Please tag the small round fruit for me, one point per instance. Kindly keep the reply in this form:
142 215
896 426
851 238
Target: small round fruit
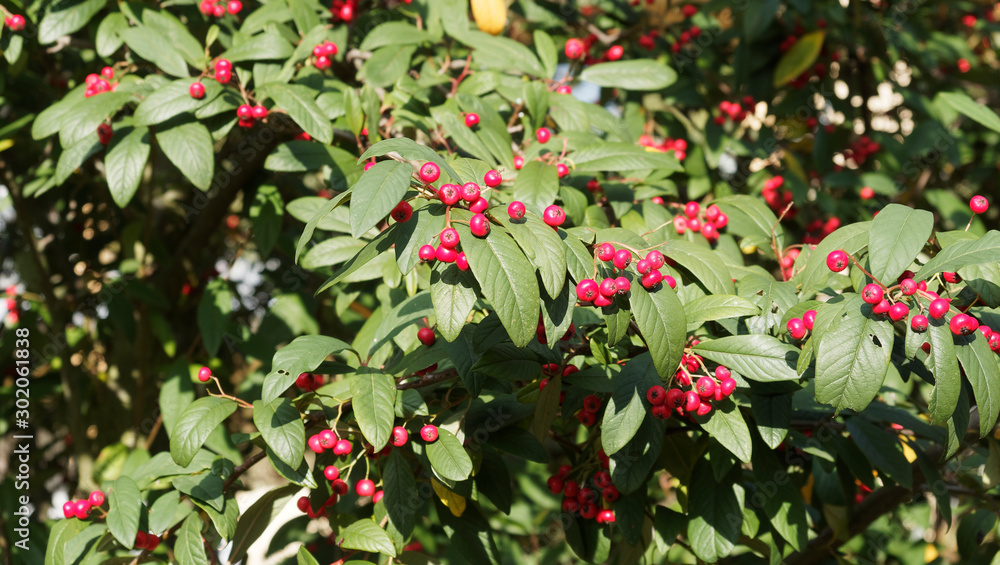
429 433
96 498
562 170
591 403
867 193
259 112
400 436
908 287
450 194
691 401
606 251
197 90
882 307
963 324
365 487
379 495
872 293
656 259
342 447
471 119
722 373
518 163
602 301
479 225
555 484
574 48
314 444
615 52
204 374
587 418
479 205
328 439
340 487
623 284
82 509
919 323
587 290
244 112
492 178
608 287
796 328
809 319
661 411
727 386
837 260
952 278
426 336
691 209
69 509
543 135
303 504
979 204
426 253
516 210
234 6
331 472
449 238
554 216
642 266
656 395
430 172
705 387
606 516
898 311
402 212
462 262
938 308
651 279
622 259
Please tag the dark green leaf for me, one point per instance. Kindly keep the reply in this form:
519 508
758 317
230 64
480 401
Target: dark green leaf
661 321
453 295
65 17
257 518
189 147
726 425
124 503
943 362
125 162
300 103
761 358
374 401
853 357
366 535
281 426
448 458
197 421
213 314
898 234
637 74
716 511
387 65
882 449
380 189
965 105
981 368
302 355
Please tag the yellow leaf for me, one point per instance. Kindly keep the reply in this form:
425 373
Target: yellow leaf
453 501
807 489
930 553
799 58
6 144
908 452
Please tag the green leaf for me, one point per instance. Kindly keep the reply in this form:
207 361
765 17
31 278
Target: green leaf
189 547
65 17
853 356
453 295
718 307
661 320
382 243
703 263
492 129
882 449
543 247
318 217
716 512
957 255
637 74
605 156
851 238
302 355
756 21
502 53
380 189
167 511
546 409
399 485
153 46
197 421
300 103
124 503
981 368
507 279
300 156
782 502
897 235
799 58
772 413
752 220
547 53
943 362
387 65
302 556
374 405
189 148
366 535
727 426
266 213
625 410
172 99
125 162
74 156
108 41
87 114
257 518
59 536
213 314
395 33
448 458
49 121
281 426
409 149
760 358
537 185
965 105
268 45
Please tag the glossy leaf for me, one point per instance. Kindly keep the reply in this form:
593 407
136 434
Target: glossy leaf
195 424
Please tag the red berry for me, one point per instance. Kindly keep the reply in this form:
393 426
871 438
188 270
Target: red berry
331 472
426 336
554 216
591 403
562 170
908 287
479 225
543 135
365 487
872 293
882 307
656 259
259 112
426 253
837 260
342 447
608 287
378 496
938 308
402 212
314 444
587 290
515 210
898 311
96 498
809 319
430 172
462 262
479 206
705 387
622 259
691 401
470 192
234 6
445 254
952 278
867 193
16 22
104 133
574 49
555 484
450 194
429 433
623 284
587 418
691 209
492 178
197 90
615 52
919 323
606 516
703 409
69 509
204 374
471 119
979 204
518 162
963 324
656 395
796 328
727 386
652 278
449 238
340 487
602 301
82 509
400 436
605 252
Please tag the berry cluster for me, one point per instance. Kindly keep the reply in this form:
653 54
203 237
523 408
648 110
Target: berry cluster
818 229
577 49
322 54
777 200
601 295
81 508
860 150
707 222
581 497
223 71
686 36
11 305
100 83
248 114
733 111
678 146
699 397
343 10
15 22
328 440
218 10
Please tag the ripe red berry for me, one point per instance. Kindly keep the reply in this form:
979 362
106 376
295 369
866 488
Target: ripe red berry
492 178
471 119
445 254
402 212
104 133
378 496
938 308
623 284
703 409
96 498
259 112
562 170
691 209
653 278
331 472
342 447
400 436
587 290
314 444
689 10
479 225
979 204
615 52
515 210
808 319
340 487
691 401
882 307
602 301
449 238
898 311
963 324
591 403
705 387
656 259
656 395
365 487
727 386
204 374
867 193
518 162
479 206
470 192
606 516
543 135
872 293
554 216
429 433
608 287
574 48
16 22
426 253
837 260
908 287
197 90
605 251
660 411
622 259
952 278
426 336
919 323
82 509
570 505
429 172
234 6
555 484
69 509
587 418
796 328
450 194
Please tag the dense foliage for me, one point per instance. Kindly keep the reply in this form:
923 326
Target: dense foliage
474 283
